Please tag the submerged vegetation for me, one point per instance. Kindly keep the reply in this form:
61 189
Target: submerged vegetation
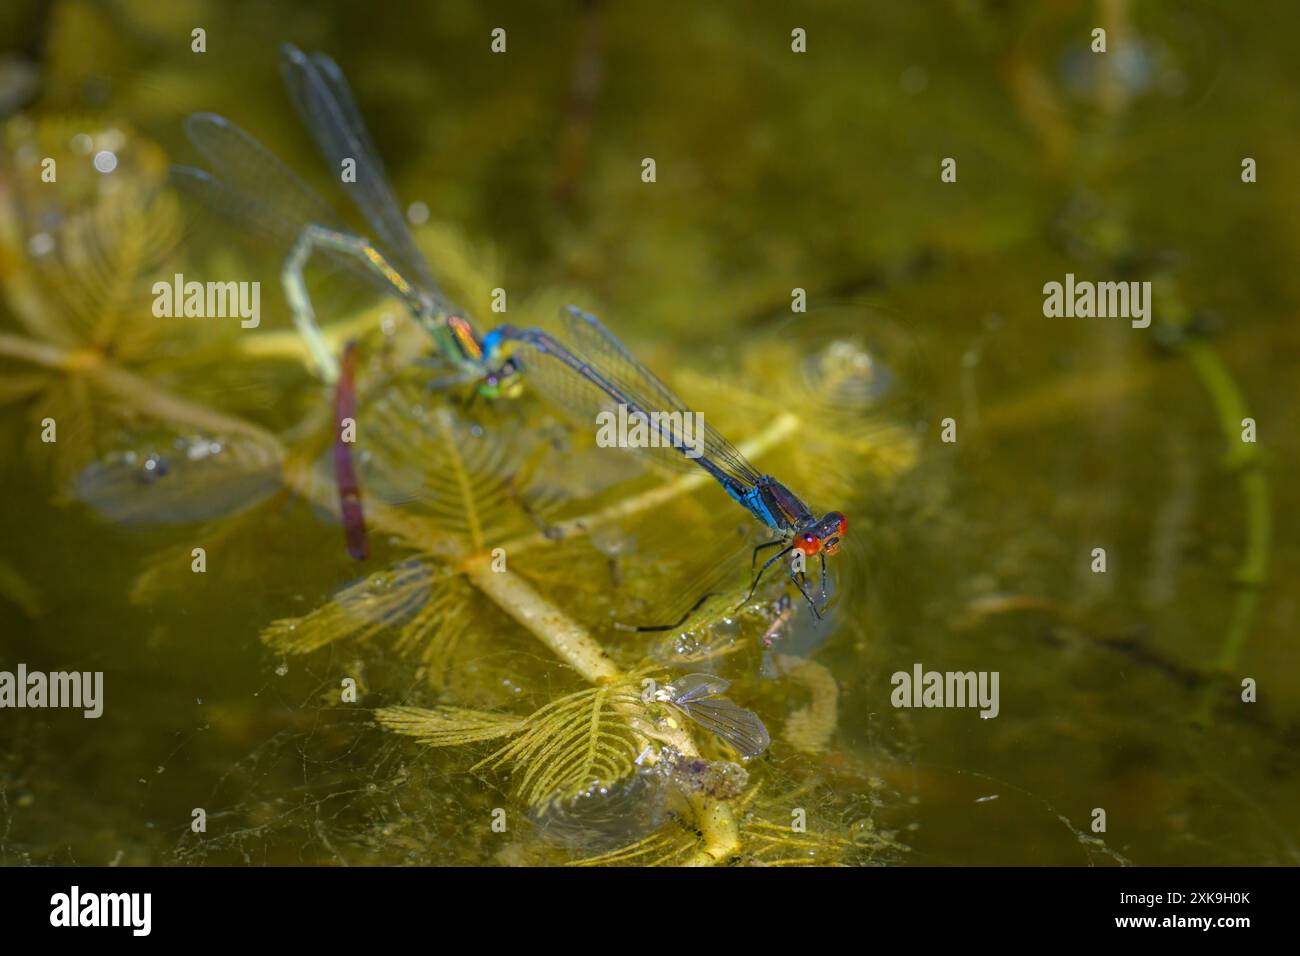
476 690
487 527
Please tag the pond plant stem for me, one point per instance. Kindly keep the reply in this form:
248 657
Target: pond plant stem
1245 460
566 638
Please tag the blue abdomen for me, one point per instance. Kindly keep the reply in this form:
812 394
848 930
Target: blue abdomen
756 505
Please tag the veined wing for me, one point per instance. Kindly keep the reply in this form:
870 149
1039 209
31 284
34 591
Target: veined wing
582 388
250 185
737 726
246 166
694 687
598 346
325 104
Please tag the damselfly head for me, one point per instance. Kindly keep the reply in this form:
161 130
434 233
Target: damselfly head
824 536
504 382
831 529
808 543
504 378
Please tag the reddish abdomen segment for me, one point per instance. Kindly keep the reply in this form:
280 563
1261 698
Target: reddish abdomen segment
345 473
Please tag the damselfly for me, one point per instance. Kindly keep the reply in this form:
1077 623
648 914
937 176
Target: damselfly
247 183
594 371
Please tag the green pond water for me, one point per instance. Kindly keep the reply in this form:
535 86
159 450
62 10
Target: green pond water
1119 691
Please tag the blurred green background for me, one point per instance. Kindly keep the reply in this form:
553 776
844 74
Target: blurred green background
777 170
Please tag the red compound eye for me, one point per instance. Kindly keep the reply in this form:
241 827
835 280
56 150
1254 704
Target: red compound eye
844 526
809 544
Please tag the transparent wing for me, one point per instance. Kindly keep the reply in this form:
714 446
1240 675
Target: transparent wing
181 480
582 387
598 345
253 189
246 166
338 85
325 104
737 726
581 390
696 686
561 376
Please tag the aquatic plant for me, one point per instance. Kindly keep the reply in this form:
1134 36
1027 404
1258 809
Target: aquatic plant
492 522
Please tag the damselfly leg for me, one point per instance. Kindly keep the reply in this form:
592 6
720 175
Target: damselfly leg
451 381
770 561
798 577
676 624
753 560
800 580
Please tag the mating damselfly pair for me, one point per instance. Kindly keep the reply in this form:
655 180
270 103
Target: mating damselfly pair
589 372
